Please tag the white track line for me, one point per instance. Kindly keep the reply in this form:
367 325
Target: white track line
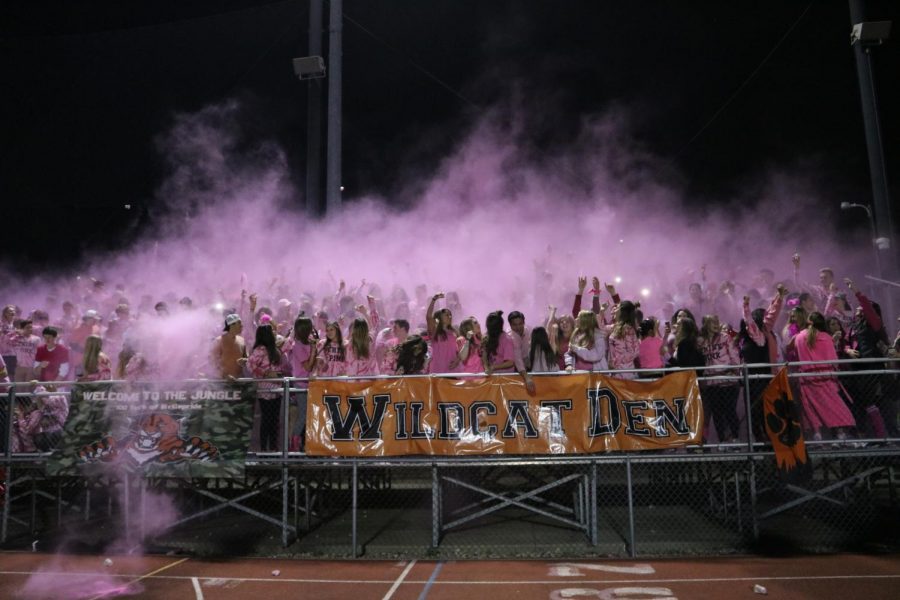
463 582
399 580
197 589
147 576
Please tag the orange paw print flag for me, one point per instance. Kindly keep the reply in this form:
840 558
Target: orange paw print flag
782 417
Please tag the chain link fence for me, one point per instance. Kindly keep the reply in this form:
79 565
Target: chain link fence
721 498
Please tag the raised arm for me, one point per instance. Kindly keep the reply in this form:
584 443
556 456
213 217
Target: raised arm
553 334
872 317
775 307
429 314
374 318
614 296
753 330
551 317
576 306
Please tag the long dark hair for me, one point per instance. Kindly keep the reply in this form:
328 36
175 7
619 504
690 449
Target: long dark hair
759 317
540 343
687 332
816 323
684 310
303 327
493 324
338 338
265 337
408 360
439 332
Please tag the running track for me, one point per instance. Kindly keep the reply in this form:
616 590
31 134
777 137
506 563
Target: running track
34 575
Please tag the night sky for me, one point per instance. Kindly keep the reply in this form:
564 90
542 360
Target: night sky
89 86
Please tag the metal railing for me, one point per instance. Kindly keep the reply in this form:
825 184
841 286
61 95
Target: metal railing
724 497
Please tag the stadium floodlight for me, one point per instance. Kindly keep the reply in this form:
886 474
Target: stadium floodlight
871 33
309 67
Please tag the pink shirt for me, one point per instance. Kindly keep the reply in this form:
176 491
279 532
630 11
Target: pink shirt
24 347
505 352
262 368
361 366
389 361
720 350
139 368
443 354
104 370
330 362
6 330
583 358
823 349
623 352
473 362
649 355
299 354
521 349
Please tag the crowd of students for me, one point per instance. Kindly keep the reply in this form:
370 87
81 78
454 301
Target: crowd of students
345 334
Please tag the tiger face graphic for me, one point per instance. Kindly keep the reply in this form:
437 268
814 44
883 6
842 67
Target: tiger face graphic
156 438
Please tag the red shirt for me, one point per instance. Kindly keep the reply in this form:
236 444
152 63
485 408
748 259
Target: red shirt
55 359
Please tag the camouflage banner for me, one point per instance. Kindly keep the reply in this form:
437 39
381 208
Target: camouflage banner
567 414
189 431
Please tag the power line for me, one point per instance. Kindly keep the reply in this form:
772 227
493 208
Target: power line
411 61
744 84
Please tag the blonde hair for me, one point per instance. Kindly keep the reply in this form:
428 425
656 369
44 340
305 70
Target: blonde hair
585 325
92 346
359 338
467 325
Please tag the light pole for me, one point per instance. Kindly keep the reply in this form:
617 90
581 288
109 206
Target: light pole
866 35
874 241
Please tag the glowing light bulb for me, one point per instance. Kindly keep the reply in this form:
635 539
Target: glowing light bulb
645 292
621 241
219 306
618 279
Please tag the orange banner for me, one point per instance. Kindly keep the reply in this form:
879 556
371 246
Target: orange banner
567 414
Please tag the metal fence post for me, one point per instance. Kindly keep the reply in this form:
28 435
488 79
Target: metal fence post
435 507
143 506
10 403
594 526
353 510
632 550
748 401
753 498
285 417
284 506
10 412
127 506
6 485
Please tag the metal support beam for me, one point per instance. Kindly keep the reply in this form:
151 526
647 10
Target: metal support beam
314 203
881 204
333 156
